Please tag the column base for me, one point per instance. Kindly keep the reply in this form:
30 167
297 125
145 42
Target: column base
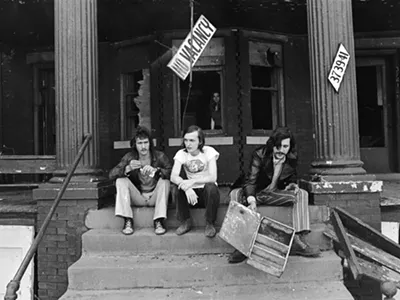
357 194
337 167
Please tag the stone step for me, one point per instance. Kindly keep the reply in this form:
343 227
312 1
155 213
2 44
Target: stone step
144 241
143 216
94 272
316 290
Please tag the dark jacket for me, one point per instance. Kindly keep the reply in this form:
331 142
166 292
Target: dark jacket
262 170
158 160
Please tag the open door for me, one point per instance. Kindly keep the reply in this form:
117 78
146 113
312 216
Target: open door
374 108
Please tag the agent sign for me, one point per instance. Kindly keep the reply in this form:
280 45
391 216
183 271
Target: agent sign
339 67
191 49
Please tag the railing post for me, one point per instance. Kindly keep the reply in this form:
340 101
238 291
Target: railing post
14 284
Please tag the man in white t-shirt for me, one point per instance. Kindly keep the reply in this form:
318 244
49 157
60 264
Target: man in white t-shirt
199 189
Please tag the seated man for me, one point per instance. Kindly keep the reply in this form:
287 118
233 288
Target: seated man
142 179
200 188
272 181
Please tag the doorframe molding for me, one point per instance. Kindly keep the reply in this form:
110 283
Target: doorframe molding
385 51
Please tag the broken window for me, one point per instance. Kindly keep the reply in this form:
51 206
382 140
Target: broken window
135 102
265 85
202 104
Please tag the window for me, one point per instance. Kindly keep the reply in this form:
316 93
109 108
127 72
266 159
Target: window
203 104
266 90
135 102
203 107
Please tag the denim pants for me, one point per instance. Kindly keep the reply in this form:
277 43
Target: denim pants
208 198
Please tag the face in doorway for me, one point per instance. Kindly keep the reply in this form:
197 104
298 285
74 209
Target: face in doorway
143 146
216 97
191 141
282 150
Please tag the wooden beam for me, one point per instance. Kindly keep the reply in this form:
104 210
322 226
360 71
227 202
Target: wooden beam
346 245
27 164
369 251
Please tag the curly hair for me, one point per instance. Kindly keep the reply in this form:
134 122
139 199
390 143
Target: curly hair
142 133
275 140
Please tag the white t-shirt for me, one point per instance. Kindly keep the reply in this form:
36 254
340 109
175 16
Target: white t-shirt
196 166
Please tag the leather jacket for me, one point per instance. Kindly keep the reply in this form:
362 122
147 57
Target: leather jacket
262 170
158 160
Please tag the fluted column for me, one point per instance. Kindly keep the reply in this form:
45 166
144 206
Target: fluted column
335 116
76 68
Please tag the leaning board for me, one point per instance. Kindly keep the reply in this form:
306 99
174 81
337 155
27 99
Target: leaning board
264 241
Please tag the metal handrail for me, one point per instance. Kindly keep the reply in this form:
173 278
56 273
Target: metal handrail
14 284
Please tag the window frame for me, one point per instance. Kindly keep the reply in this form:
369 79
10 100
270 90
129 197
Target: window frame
177 100
277 93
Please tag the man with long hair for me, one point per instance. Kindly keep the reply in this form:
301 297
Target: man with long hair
272 180
142 179
198 186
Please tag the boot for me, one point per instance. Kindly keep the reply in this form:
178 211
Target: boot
210 230
236 257
184 227
301 248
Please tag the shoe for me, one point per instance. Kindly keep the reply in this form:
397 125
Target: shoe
301 248
159 229
210 230
185 227
236 257
128 226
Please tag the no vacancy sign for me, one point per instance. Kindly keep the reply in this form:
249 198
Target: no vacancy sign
191 49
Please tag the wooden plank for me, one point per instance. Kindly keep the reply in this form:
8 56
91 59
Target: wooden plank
275 230
379 273
258 263
268 256
27 164
345 244
274 245
369 250
367 233
240 227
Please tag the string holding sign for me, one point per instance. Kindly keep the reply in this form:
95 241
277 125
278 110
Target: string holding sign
338 68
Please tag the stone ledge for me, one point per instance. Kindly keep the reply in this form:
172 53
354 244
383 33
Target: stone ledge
342 187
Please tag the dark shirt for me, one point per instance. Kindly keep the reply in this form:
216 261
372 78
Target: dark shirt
261 172
158 160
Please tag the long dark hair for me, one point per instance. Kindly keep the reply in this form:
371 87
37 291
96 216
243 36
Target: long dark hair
279 134
142 133
200 134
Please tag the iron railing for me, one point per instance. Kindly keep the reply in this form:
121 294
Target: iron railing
14 284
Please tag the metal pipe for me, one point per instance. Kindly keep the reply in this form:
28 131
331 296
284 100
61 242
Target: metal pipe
13 285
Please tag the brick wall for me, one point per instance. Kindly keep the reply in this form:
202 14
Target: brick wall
365 206
61 245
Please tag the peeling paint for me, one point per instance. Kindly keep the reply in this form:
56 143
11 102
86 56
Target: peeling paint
365 188
376 186
328 162
327 185
353 185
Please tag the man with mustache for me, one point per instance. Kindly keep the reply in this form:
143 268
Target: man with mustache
272 180
142 179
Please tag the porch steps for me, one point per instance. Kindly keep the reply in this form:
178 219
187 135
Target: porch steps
192 266
273 291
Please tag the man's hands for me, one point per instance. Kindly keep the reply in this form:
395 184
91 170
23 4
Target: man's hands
186 184
135 164
292 187
252 203
191 196
148 170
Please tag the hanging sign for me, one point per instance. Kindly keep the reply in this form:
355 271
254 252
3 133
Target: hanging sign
191 49
339 67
